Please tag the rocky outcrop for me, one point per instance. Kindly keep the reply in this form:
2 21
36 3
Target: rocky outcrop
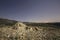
20 31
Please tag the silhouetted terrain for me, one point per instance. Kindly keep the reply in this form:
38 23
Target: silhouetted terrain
16 30
7 22
52 24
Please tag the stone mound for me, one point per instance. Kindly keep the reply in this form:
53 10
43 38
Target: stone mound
22 32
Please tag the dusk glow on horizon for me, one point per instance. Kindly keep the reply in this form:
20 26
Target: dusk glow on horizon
31 10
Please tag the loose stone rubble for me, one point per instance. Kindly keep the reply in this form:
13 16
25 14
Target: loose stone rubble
21 31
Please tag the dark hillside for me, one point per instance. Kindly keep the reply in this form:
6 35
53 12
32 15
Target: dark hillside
7 22
53 24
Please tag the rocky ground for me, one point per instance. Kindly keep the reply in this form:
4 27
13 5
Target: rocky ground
21 31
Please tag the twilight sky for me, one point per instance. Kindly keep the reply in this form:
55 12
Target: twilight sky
31 10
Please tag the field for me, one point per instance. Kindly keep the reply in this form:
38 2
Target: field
15 30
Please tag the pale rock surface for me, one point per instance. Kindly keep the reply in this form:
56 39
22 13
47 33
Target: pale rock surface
21 31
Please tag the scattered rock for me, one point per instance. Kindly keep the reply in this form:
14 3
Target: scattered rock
20 31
